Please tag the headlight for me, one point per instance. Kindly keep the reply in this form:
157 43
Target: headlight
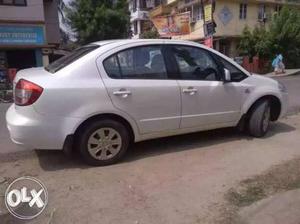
282 87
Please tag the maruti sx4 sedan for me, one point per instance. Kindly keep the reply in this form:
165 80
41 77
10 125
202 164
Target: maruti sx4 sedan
107 94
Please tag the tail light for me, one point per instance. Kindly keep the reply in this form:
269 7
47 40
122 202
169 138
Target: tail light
26 93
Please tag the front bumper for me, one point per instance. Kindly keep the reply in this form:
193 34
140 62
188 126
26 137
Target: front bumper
284 104
36 131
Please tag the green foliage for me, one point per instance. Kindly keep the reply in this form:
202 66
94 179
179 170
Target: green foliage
94 20
150 34
255 43
282 36
247 43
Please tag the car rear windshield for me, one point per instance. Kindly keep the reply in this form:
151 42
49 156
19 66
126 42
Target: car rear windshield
70 58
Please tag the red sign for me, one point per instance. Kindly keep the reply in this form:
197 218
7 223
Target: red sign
209 42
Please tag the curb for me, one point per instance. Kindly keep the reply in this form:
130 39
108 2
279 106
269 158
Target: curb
283 75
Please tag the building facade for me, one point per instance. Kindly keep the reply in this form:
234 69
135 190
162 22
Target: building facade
29 30
230 17
139 15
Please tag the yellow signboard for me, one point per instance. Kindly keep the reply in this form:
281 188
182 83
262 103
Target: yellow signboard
208 13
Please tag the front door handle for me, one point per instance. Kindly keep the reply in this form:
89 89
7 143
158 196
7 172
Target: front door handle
122 92
190 90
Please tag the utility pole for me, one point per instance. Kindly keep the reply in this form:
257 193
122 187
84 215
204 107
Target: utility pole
209 24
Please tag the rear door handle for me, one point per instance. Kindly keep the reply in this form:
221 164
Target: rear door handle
122 92
190 90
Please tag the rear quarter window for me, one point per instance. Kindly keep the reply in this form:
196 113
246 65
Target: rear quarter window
70 58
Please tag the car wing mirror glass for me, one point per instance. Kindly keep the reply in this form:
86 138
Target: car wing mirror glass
227 75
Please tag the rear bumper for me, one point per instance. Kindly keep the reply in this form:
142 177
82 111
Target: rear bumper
35 131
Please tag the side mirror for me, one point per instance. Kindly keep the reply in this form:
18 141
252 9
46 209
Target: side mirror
227 75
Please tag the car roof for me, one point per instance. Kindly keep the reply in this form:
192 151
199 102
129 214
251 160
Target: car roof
126 41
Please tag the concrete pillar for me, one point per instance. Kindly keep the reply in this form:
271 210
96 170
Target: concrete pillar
139 27
45 60
217 45
38 57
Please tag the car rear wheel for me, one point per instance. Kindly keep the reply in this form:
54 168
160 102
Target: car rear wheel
103 142
259 119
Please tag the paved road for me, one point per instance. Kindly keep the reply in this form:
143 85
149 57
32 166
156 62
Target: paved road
176 180
293 85
182 179
291 82
6 144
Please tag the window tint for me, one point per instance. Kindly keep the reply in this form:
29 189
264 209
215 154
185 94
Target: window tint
70 58
195 64
112 68
236 74
137 63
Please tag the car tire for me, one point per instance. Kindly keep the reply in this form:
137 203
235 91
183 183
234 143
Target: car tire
259 119
103 142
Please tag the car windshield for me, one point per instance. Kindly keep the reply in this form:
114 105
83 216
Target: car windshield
70 58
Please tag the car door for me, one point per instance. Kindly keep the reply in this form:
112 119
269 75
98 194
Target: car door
206 99
137 83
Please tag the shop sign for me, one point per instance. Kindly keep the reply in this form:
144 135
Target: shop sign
209 29
173 25
21 35
208 13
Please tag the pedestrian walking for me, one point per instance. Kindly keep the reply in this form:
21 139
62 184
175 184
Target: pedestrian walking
278 64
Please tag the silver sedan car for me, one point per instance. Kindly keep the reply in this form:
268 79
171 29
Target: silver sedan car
107 94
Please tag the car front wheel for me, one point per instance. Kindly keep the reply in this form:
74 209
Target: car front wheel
103 142
259 119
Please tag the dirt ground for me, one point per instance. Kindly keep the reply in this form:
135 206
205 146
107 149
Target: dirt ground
182 179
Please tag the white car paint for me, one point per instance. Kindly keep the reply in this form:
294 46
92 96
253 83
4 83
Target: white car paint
154 108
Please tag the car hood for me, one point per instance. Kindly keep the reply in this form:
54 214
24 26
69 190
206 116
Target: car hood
256 79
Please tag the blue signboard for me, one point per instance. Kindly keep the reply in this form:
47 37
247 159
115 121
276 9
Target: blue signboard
22 35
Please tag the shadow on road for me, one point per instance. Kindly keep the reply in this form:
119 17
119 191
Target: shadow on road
197 140
56 160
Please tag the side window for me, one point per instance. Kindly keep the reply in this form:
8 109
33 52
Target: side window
195 64
236 74
112 68
137 63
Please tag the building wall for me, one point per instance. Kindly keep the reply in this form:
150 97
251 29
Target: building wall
30 31
236 25
227 34
138 15
51 22
34 11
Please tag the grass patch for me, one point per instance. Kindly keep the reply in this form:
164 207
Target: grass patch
247 197
279 178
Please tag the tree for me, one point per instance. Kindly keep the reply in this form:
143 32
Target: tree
94 20
150 34
61 7
281 36
284 35
247 43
